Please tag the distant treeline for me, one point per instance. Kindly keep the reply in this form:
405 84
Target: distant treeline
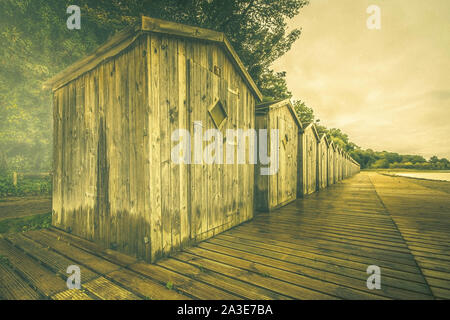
369 159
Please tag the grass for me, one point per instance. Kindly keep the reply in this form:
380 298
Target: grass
169 285
27 185
388 170
39 221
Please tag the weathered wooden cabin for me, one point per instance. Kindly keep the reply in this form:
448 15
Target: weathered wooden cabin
337 163
355 167
330 163
346 164
280 188
308 150
322 163
116 116
343 163
340 164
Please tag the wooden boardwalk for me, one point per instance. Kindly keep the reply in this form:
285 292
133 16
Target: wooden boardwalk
315 248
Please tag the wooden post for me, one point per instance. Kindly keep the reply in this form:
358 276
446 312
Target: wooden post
15 179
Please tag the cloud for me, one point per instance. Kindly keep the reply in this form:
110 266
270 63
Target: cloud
387 89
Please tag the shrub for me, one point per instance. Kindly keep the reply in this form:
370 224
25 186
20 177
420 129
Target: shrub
32 185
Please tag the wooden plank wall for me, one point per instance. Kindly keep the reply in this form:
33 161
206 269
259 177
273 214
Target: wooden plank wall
322 162
278 189
101 185
200 200
169 204
286 177
114 179
309 155
330 164
261 181
338 165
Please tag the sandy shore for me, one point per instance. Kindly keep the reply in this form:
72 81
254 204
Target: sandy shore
432 184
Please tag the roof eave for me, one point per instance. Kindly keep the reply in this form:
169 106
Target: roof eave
124 38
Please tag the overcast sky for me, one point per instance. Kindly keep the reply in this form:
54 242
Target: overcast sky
388 89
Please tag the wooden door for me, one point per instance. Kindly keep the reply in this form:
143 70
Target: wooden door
287 172
212 186
292 160
282 165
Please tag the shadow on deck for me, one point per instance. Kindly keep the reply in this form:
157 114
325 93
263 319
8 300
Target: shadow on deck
315 248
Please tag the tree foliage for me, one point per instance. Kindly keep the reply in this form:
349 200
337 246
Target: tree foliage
36 44
390 160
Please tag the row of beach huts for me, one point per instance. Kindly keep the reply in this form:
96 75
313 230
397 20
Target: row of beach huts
114 115
307 162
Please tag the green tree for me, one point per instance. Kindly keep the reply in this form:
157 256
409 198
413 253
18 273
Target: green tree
305 114
434 160
36 44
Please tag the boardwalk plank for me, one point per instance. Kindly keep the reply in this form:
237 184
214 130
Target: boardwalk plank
106 290
44 281
253 277
81 257
318 247
50 259
181 283
13 287
238 287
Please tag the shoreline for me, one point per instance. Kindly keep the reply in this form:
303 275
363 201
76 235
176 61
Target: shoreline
415 178
439 185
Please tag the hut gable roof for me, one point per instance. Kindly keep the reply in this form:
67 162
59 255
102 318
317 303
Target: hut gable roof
263 108
331 145
312 126
125 38
324 137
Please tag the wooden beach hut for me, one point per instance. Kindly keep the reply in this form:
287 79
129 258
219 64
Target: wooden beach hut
330 163
322 163
341 164
351 166
354 165
335 163
308 150
116 116
280 188
344 166
338 164
347 166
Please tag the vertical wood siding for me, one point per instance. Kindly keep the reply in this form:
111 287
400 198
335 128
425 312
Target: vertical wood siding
309 158
280 188
114 180
330 162
101 169
322 164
